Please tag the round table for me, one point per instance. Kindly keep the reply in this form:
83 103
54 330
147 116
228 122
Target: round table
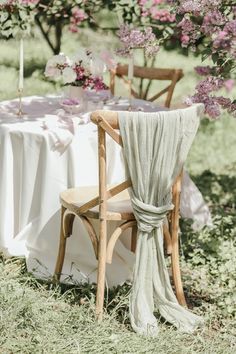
42 154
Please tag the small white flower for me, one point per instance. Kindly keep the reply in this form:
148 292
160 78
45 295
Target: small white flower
188 101
60 59
55 65
68 75
52 72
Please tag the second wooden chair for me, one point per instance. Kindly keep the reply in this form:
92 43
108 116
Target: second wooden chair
171 75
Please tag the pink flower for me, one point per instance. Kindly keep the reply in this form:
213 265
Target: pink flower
18 2
212 20
157 2
203 70
213 110
222 34
222 40
142 2
209 84
210 27
153 9
230 27
162 15
188 101
185 39
229 84
78 16
145 12
223 101
134 38
213 104
29 2
190 32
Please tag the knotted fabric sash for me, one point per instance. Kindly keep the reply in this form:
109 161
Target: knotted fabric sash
155 148
148 216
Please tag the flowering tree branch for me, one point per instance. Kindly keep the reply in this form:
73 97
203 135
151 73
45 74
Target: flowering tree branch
206 27
209 27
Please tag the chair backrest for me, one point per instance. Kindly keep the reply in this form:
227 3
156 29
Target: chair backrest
172 75
108 123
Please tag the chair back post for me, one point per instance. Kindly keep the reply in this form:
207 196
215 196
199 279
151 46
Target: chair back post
106 119
112 81
102 244
176 77
102 172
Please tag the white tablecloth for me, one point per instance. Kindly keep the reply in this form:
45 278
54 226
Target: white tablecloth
43 154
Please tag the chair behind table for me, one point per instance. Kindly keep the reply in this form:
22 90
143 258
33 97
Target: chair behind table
150 74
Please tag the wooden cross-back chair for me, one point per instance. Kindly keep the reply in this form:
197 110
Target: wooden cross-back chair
107 204
172 75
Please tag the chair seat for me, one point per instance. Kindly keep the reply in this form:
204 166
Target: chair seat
118 207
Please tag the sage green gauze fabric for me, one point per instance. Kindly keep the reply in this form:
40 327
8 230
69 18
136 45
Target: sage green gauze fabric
155 148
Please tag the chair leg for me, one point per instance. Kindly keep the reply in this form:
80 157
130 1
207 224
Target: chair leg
167 240
101 270
62 249
91 232
134 238
175 244
68 224
177 273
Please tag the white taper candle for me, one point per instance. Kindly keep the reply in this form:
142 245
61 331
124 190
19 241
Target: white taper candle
21 70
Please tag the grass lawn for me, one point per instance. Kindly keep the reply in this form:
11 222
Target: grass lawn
37 318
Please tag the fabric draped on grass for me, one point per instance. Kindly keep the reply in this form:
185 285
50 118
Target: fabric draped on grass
155 148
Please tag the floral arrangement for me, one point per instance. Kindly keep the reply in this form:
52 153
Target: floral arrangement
132 38
85 70
16 17
209 27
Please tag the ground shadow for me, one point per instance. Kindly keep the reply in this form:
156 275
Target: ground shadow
218 188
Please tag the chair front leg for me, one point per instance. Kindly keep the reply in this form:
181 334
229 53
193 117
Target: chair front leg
167 239
134 238
101 275
65 231
175 244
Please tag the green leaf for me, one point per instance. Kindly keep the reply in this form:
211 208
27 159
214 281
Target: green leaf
4 16
215 57
23 14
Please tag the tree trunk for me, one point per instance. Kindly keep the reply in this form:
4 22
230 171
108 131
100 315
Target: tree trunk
55 30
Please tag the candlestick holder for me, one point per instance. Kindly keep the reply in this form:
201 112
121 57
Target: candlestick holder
20 112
